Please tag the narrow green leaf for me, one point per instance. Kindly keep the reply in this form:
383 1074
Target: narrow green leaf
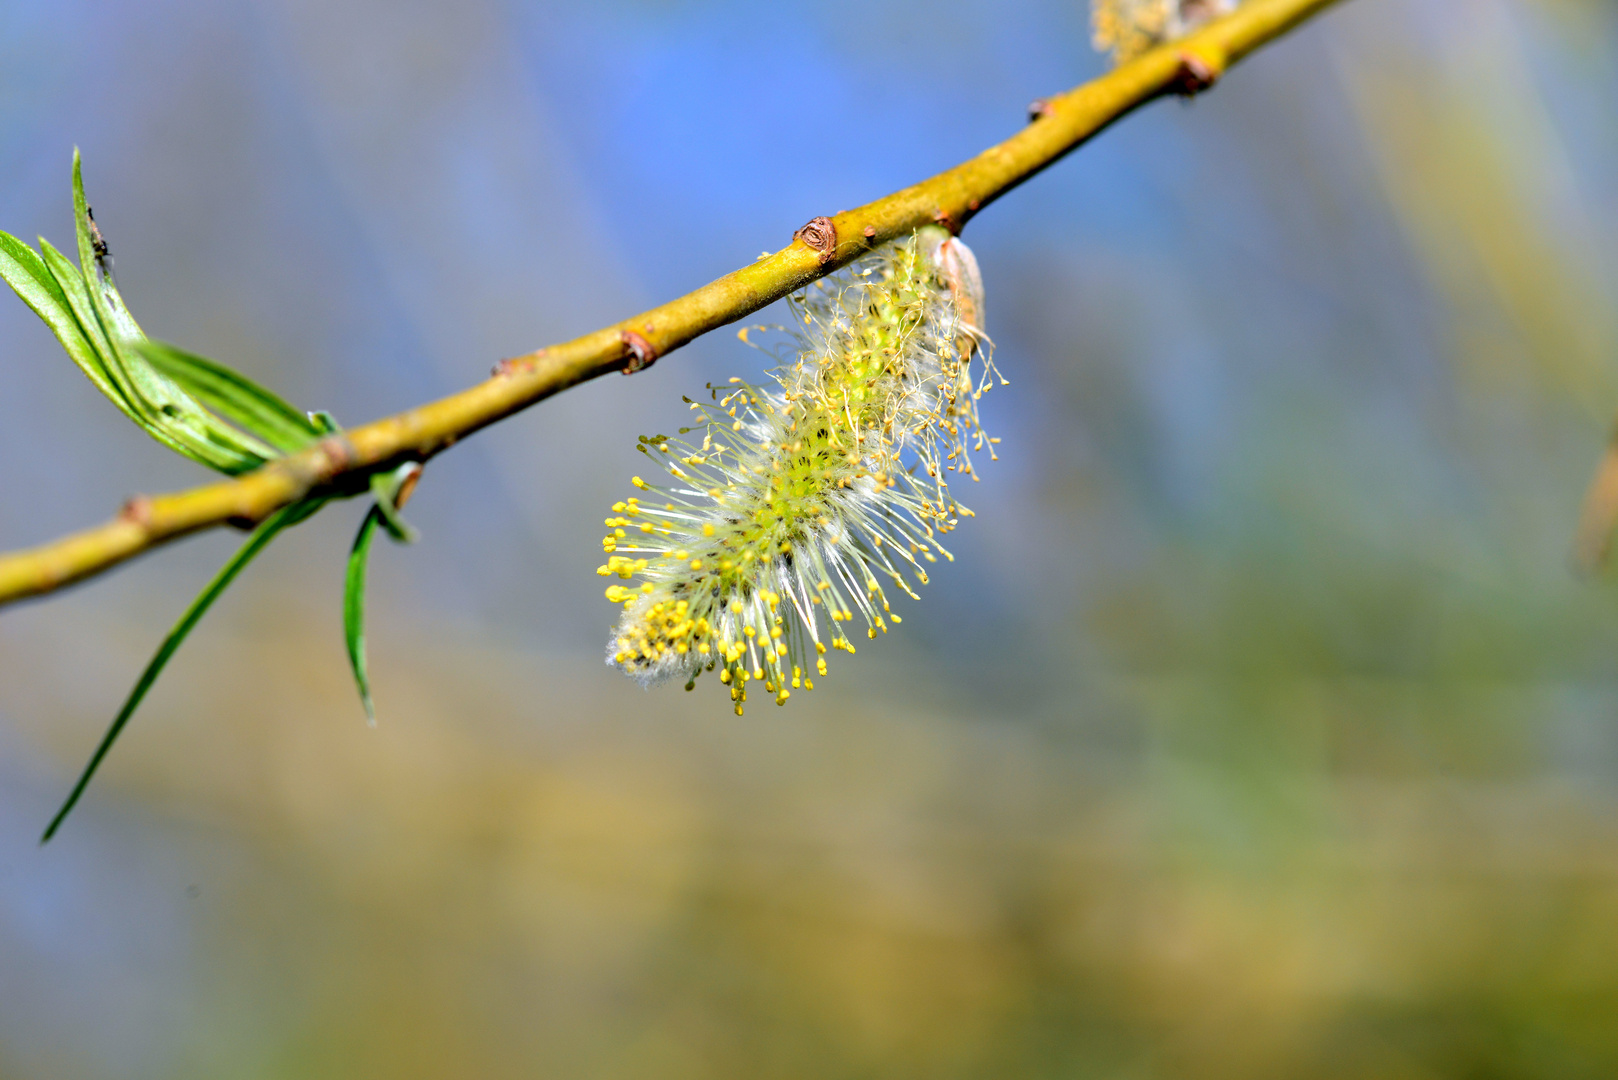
385 513
154 402
64 322
114 319
87 314
25 272
354 608
233 396
100 354
386 487
41 286
37 285
261 537
163 409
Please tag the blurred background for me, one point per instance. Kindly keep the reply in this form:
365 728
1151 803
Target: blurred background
1261 727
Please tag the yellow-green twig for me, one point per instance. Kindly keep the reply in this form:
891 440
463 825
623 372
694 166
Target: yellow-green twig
342 464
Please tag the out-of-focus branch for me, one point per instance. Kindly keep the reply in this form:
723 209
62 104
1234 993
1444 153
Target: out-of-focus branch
342 464
1592 543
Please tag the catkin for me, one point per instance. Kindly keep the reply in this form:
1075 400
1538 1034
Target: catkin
1127 28
792 508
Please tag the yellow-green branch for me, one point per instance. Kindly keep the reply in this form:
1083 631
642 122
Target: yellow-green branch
341 464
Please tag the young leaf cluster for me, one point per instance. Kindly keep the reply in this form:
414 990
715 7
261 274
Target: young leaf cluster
197 407
1127 28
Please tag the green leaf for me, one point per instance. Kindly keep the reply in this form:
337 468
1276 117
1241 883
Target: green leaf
158 405
25 272
89 305
66 323
354 607
169 409
285 517
38 285
167 392
100 358
385 513
234 396
39 289
386 487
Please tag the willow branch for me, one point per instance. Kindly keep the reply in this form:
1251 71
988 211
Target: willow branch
341 464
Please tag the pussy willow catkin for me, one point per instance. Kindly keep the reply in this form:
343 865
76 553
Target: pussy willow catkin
1127 28
791 506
